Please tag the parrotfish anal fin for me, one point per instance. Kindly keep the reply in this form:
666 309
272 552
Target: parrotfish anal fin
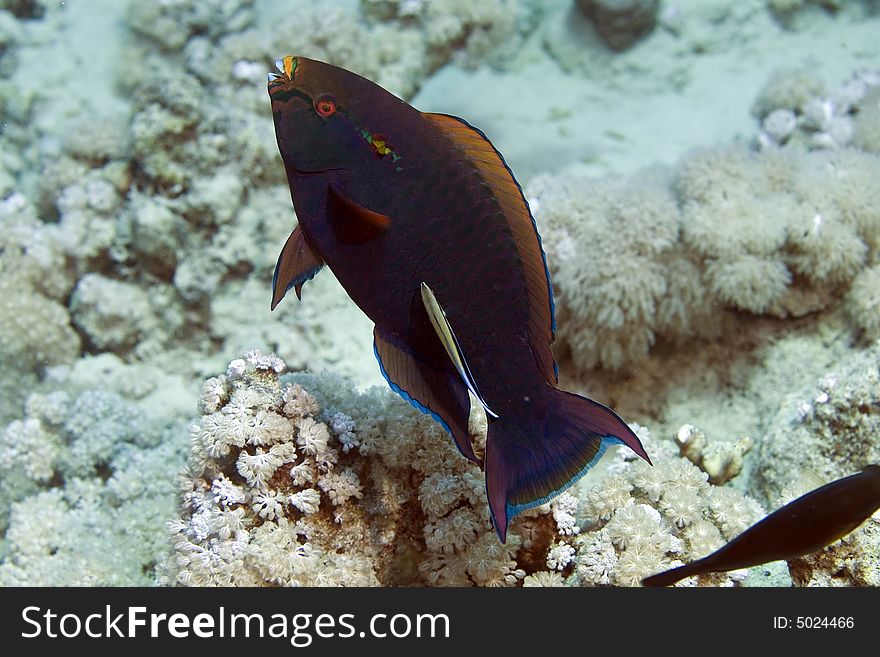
450 344
437 393
352 223
479 150
297 264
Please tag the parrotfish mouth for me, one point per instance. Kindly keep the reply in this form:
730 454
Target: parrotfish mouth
279 64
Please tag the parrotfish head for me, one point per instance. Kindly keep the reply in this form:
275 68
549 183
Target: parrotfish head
327 118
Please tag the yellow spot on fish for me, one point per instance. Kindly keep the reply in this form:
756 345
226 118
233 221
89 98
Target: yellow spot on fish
289 66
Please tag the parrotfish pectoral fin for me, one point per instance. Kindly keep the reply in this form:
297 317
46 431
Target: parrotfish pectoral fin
532 458
436 393
450 344
297 264
352 223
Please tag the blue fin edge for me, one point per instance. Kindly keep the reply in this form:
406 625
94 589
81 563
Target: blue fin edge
514 509
403 393
299 280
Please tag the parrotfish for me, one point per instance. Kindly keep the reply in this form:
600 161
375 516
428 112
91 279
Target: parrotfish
802 526
425 227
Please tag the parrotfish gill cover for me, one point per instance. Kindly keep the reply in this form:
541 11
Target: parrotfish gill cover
425 227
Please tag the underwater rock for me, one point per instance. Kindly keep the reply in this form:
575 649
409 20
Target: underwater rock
621 23
721 460
829 427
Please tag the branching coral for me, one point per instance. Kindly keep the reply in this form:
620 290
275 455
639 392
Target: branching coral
782 232
642 520
614 267
305 482
86 487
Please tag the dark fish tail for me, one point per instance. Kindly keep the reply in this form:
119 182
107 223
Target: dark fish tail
673 575
533 457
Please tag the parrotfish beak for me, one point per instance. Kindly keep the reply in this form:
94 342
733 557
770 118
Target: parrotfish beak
279 64
286 66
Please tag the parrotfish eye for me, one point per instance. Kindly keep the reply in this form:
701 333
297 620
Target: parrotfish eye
325 106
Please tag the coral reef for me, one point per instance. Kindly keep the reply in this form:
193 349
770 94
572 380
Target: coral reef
300 481
609 309
792 13
794 108
114 314
141 195
721 460
35 326
171 24
783 233
398 43
828 427
644 519
85 490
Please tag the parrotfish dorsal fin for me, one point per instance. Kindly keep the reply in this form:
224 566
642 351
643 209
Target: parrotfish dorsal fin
479 150
352 223
297 264
450 344
439 394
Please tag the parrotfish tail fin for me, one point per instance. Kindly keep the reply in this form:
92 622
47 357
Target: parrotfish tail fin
532 458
